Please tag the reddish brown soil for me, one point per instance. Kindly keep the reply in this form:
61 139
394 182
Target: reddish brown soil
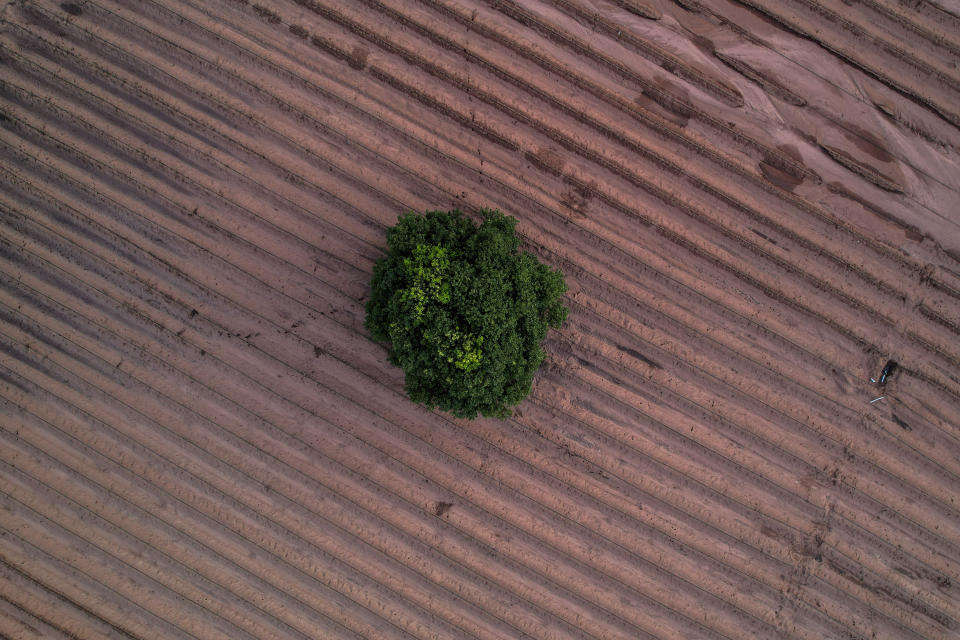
756 206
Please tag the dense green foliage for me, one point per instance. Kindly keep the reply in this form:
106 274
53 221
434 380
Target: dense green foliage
464 311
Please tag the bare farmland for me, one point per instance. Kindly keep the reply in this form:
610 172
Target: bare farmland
756 207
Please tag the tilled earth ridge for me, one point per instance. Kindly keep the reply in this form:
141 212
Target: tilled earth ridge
754 204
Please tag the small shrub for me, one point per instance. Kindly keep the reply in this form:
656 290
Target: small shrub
463 310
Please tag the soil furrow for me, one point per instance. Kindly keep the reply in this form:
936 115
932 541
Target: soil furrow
667 61
52 608
920 20
869 97
68 503
805 433
227 479
329 45
625 433
828 32
309 465
815 485
194 195
49 539
569 41
115 356
248 539
616 168
16 622
261 591
887 37
542 566
804 549
76 590
364 463
475 55
203 150
513 40
686 376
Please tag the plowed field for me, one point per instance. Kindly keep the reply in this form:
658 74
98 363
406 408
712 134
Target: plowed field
756 204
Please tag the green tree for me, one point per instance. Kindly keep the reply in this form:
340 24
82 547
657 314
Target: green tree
464 310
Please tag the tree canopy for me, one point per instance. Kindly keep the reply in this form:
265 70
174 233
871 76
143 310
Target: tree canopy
464 310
